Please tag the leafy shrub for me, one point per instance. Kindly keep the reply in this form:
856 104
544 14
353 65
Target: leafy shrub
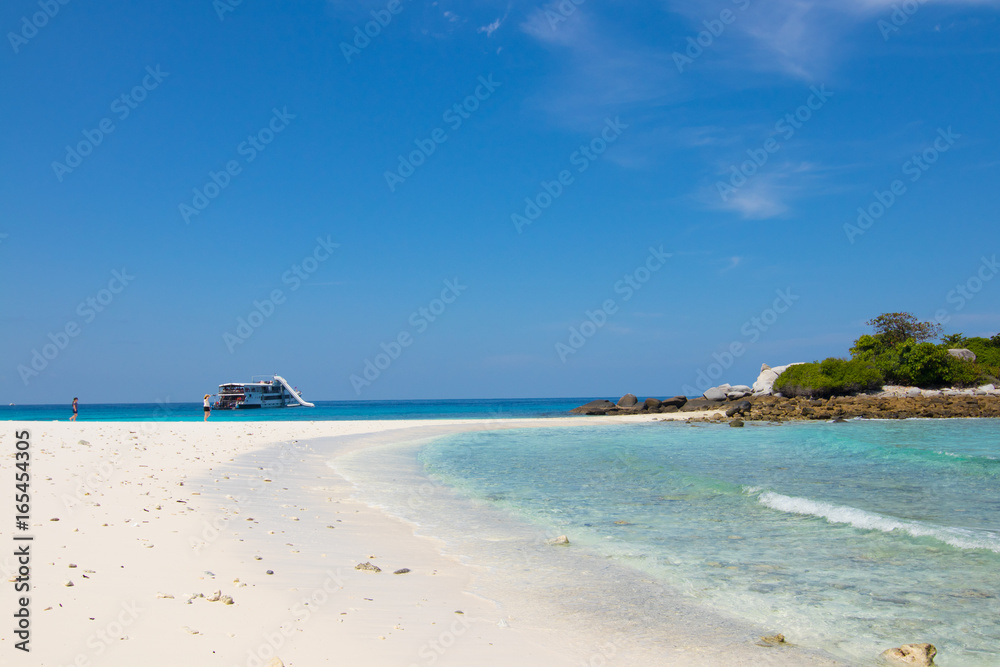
987 354
832 377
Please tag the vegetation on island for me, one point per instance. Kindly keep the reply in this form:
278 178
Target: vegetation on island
898 352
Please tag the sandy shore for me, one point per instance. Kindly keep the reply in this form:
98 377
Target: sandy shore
139 527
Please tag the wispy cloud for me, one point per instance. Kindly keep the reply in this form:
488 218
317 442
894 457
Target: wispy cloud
598 70
762 199
800 38
491 28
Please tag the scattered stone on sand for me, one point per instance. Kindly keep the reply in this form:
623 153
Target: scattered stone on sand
269 572
402 570
911 654
367 567
275 662
562 540
772 640
68 583
190 631
164 596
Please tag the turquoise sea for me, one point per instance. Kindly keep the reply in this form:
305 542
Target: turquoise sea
848 538
324 411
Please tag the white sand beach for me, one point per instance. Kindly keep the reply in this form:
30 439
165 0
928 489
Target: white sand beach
142 530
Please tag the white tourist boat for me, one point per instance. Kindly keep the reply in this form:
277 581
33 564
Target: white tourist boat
263 391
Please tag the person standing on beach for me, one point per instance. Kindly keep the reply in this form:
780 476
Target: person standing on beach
208 408
75 409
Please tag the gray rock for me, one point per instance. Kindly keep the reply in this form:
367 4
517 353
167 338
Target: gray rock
653 404
367 567
736 423
741 387
963 354
737 395
627 401
715 394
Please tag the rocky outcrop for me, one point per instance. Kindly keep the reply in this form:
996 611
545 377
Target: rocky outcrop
594 408
891 403
872 406
698 404
963 354
648 406
764 385
741 408
911 654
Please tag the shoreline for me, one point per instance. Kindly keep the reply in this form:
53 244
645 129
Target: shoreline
151 522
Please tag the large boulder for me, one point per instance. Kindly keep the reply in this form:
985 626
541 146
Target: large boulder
652 404
717 393
764 386
627 401
675 402
963 354
594 408
911 654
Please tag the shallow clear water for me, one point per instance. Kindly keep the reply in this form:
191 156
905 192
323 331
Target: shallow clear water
851 538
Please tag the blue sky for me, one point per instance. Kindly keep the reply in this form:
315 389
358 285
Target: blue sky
739 138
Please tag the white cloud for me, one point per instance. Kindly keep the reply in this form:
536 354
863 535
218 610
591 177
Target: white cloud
599 71
491 28
799 38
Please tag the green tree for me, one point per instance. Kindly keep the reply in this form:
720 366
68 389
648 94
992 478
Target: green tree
954 340
895 328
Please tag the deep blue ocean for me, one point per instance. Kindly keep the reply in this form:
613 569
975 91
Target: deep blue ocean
520 408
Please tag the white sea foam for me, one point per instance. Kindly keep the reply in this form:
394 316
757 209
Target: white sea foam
962 538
